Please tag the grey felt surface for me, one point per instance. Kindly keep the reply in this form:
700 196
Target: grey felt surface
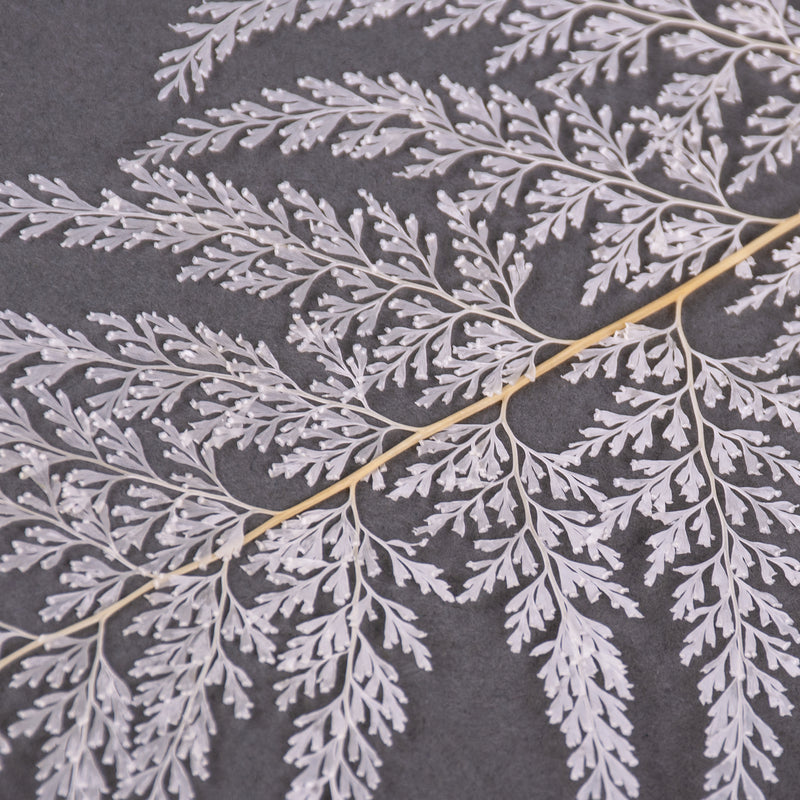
76 93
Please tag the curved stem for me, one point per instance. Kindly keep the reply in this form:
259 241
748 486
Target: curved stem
109 547
423 288
91 690
22 634
725 535
533 162
544 551
697 23
200 681
151 479
355 613
671 298
627 180
201 375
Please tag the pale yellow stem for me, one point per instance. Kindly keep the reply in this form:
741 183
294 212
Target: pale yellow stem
665 301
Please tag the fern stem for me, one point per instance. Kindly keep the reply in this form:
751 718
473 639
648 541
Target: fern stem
628 180
197 376
544 550
673 297
356 615
22 634
434 289
188 717
151 478
725 546
697 22
91 693
109 547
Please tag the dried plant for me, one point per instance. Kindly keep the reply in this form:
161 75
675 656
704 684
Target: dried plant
110 437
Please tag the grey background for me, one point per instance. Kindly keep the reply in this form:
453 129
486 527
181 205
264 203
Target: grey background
76 93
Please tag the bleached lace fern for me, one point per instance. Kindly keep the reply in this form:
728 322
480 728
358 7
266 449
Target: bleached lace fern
155 364
180 523
122 517
604 38
176 523
703 488
579 158
93 504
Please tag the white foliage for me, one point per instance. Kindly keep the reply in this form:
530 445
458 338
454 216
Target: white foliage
73 479
604 39
778 123
261 252
659 234
191 625
87 722
713 513
91 498
775 286
332 552
518 494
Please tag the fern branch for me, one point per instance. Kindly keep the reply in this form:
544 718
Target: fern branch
691 20
671 298
617 31
581 648
294 118
734 722
87 723
512 142
238 235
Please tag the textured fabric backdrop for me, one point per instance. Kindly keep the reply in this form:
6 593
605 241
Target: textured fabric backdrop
77 92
